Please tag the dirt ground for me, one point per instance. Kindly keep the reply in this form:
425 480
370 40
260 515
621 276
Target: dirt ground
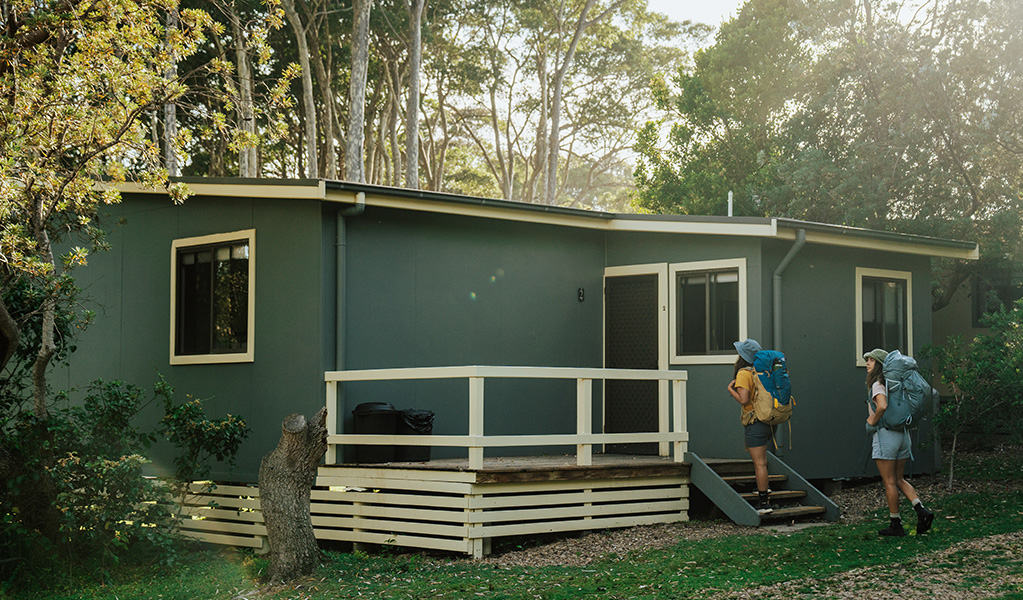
858 500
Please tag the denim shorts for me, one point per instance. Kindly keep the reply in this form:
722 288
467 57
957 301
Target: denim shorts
891 445
758 434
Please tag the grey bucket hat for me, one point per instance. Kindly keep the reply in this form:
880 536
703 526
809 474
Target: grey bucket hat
747 348
877 354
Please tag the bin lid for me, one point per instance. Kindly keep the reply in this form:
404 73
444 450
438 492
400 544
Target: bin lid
373 407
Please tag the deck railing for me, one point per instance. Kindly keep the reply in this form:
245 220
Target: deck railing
672 433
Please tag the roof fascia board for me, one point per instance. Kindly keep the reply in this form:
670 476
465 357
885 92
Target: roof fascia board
302 190
768 229
964 251
494 211
784 229
602 221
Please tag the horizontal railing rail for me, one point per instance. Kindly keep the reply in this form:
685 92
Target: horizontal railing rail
672 432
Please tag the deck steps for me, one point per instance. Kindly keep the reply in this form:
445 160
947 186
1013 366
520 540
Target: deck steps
731 485
743 480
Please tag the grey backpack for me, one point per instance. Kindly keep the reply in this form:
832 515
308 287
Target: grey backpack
909 395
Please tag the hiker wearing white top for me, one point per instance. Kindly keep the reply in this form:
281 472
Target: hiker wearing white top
891 448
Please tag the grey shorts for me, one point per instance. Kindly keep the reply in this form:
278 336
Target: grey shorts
758 434
891 445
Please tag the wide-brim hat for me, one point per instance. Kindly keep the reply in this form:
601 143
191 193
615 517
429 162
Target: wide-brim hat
747 349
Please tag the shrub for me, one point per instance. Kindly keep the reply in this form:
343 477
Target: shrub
89 460
985 378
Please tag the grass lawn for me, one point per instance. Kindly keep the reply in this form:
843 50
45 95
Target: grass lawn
712 568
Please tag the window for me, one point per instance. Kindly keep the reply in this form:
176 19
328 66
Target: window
994 290
708 310
884 310
212 312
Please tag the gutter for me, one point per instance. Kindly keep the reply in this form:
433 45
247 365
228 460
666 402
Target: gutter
776 288
776 309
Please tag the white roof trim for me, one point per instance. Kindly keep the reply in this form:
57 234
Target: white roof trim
502 209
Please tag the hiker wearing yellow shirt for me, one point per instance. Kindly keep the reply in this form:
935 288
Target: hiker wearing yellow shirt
757 433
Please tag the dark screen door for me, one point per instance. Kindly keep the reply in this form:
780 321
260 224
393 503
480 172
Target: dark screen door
630 342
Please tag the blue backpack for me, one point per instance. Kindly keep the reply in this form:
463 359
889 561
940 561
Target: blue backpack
772 401
909 394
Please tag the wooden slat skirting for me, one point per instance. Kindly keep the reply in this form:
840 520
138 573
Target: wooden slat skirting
454 510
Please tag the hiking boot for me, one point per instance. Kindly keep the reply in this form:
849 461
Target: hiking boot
924 518
894 529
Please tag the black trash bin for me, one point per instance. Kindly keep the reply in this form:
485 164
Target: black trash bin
413 421
375 417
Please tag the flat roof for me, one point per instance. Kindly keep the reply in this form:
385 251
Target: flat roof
344 192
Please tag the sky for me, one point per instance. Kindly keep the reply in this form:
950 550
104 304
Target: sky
711 12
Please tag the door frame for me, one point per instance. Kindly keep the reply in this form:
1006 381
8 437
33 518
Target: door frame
661 271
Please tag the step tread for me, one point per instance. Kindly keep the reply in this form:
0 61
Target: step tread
794 511
742 479
776 494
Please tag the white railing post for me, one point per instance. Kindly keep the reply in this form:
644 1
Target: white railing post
331 421
475 421
663 419
678 392
584 420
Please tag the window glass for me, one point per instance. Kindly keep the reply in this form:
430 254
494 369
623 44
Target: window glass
708 309
212 299
885 314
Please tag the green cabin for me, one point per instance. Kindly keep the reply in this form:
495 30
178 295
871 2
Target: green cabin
252 290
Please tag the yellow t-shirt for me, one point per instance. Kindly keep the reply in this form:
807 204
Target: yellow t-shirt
744 379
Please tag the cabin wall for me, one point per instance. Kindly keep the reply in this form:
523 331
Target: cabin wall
129 289
818 337
428 290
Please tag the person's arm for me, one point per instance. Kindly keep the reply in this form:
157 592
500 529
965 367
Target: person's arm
740 394
875 415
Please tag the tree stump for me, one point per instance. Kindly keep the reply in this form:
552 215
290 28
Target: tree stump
286 477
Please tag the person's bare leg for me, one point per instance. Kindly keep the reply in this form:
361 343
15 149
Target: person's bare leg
759 456
904 486
887 469
891 488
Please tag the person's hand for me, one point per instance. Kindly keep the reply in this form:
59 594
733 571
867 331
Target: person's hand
871 429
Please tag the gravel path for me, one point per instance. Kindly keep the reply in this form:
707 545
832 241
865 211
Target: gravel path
982 568
858 503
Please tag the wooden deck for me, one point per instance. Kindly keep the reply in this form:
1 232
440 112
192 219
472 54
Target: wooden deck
445 505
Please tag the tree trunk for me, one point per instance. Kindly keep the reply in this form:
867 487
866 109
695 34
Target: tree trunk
553 147
170 110
247 166
286 477
327 93
47 343
354 153
307 88
415 10
10 335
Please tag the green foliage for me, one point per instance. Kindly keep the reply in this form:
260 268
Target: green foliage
23 300
93 454
852 113
984 378
198 438
697 569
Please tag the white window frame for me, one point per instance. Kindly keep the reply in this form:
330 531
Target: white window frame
705 265
906 276
250 346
